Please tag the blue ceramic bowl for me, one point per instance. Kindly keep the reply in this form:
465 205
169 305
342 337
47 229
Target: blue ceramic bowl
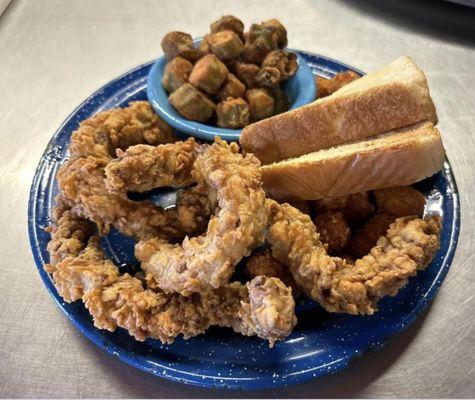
300 89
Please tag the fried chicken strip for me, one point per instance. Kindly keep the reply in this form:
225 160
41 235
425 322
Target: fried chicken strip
82 178
410 244
238 226
263 307
144 167
102 134
82 182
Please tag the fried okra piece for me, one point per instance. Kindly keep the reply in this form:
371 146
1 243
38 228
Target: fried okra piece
268 77
400 201
232 87
260 41
246 73
208 74
176 74
226 45
191 103
334 230
280 31
281 100
203 47
284 61
261 104
232 113
176 44
228 23
327 87
365 238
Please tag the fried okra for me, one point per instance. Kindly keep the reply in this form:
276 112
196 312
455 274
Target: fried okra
261 104
232 87
400 201
228 23
281 100
176 74
246 73
208 74
268 77
260 41
279 29
191 103
334 230
176 44
232 113
226 45
284 61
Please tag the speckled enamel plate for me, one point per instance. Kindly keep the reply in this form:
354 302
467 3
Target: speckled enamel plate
321 343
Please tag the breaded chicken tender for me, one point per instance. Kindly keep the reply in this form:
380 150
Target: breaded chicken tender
208 261
263 307
409 245
144 167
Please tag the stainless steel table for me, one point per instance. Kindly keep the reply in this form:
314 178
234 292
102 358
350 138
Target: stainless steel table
53 54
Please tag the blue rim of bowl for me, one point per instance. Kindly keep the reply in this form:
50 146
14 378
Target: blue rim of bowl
158 98
89 106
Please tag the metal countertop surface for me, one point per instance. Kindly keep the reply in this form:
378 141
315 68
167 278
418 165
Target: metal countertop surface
53 54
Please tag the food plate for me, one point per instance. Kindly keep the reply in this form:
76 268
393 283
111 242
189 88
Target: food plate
321 343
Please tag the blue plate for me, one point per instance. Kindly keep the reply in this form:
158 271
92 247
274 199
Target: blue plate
300 89
321 343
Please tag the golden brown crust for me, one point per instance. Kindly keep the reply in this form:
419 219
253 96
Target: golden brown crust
237 227
410 244
143 167
350 114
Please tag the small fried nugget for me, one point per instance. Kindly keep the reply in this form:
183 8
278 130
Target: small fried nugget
334 230
400 201
356 207
328 86
365 238
262 263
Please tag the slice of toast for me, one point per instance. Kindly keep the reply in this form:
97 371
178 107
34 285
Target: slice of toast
396 158
391 98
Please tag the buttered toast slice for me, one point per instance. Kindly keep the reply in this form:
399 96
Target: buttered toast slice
395 158
391 98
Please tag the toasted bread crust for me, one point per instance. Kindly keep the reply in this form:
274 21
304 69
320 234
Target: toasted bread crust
393 159
388 99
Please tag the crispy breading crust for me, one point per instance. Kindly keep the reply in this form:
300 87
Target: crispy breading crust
409 245
262 263
82 178
237 227
263 307
143 167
